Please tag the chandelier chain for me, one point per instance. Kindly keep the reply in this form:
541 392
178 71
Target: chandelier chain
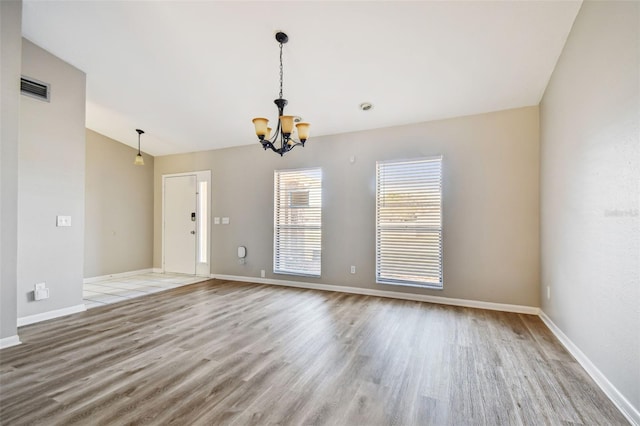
281 72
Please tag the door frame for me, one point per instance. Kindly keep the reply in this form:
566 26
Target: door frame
202 176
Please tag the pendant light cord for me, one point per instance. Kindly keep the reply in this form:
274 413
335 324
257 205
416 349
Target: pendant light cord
281 72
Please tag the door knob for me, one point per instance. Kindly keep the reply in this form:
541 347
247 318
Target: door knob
193 232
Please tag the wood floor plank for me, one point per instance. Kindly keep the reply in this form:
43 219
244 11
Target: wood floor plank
221 352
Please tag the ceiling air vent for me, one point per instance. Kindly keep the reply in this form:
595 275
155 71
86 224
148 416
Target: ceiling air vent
35 89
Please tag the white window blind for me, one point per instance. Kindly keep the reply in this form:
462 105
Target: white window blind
297 222
409 222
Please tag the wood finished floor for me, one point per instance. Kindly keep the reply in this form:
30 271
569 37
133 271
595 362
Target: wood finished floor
236 353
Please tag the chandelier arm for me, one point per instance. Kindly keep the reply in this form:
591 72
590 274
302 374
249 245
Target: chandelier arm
277 132
273 148
290 147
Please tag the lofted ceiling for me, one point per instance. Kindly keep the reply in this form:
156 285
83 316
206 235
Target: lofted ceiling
193 74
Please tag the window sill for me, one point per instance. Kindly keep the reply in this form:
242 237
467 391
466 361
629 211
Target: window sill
409 284
296 274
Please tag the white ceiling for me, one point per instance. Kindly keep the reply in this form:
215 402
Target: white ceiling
193 74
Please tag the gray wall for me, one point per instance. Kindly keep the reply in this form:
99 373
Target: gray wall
118 208
11 51
590 183
51 182
491 203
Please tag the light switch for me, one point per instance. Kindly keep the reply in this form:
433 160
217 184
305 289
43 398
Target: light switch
225 220
63 220
216 221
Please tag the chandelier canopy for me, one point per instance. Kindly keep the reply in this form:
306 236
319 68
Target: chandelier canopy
282 140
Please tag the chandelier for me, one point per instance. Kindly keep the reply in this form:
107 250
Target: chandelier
282 141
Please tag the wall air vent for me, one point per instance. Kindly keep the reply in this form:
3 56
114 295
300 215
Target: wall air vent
35 89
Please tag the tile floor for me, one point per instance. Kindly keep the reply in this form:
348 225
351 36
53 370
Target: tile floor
118 289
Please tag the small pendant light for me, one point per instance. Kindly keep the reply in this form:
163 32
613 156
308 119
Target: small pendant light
139 161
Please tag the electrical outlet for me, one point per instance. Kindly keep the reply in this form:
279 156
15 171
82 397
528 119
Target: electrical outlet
216 221
262 273
40 291
225 220
353 269
41 294
63 220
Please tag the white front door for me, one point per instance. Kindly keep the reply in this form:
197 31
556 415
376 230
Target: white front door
180 224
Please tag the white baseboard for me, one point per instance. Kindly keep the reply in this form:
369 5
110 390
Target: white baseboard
520 309
118 275
7 342
625 407
32 319
157 271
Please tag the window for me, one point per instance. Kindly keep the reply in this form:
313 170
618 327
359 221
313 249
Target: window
409 222
297 236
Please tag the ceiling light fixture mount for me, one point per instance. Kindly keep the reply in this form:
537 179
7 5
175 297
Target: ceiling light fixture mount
282 141
139 161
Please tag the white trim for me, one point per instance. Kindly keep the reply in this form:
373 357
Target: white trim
623 404
519 309
31 319
118 275
158 271
7 342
